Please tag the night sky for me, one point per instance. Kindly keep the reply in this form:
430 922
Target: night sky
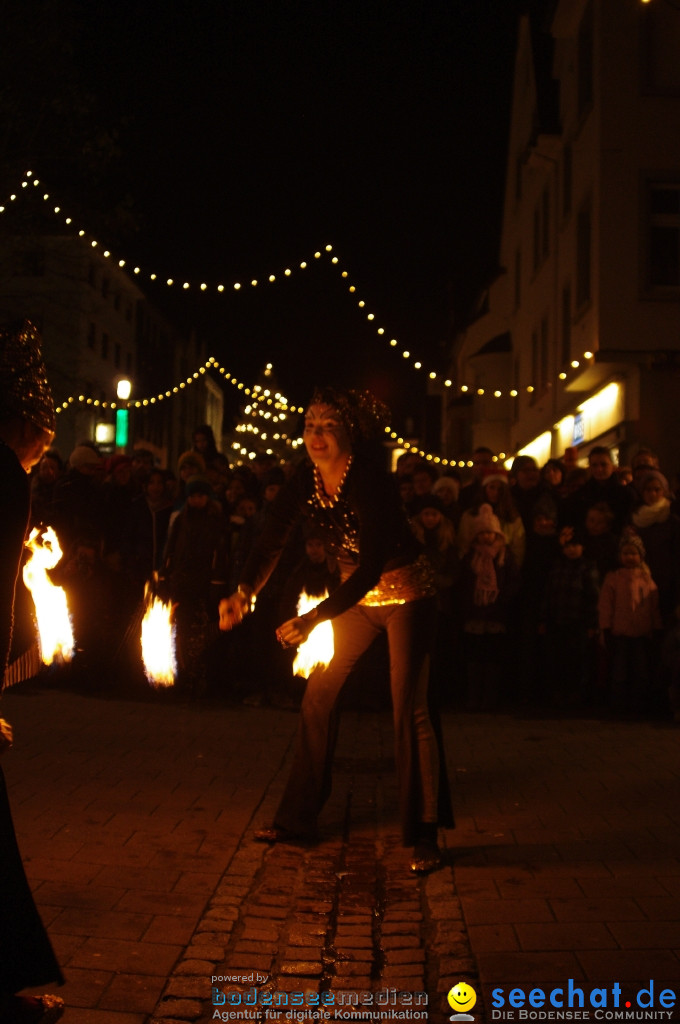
254 133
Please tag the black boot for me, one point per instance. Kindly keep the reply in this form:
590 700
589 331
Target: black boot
426 854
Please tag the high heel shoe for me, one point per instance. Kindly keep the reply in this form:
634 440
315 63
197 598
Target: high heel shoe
45 1009
278 834
426 853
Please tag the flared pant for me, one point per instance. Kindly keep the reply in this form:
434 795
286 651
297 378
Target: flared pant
417 750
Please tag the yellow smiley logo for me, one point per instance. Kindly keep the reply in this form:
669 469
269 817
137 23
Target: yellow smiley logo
462 997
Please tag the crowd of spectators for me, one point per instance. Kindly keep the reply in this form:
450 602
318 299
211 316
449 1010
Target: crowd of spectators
558 585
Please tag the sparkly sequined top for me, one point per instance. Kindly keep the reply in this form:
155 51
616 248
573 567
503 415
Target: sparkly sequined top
365 529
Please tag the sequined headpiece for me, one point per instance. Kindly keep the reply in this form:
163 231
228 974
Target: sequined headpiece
365 416
24 390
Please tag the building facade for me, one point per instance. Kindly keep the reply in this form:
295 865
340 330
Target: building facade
577 339
98 328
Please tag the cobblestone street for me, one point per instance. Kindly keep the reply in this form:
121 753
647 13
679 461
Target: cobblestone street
135 820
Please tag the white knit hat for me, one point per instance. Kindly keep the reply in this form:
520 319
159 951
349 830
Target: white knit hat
486 521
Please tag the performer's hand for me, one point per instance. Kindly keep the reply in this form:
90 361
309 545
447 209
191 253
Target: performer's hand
295 631
234 608
6 736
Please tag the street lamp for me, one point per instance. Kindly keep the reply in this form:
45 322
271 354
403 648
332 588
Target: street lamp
123 391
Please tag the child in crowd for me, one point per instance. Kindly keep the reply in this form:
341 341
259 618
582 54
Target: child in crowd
490 580
542 549
569 621
496 492
601 545
629 615
659 530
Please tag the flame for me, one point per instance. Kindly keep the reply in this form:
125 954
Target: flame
158 642
51 609
318 648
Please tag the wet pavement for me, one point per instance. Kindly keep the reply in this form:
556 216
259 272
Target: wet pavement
135 819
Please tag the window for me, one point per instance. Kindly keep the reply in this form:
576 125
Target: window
128 363
537 239
91 336
565 353
567 177
105 346
105 287
116 355
583 255
659 46
585 61
544 378
663 264
518 278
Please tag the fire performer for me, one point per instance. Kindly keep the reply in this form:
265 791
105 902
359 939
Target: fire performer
385 587
26 429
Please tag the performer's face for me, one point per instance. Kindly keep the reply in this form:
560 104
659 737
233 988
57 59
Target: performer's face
326 438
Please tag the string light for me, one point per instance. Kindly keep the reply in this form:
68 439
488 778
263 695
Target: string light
212 363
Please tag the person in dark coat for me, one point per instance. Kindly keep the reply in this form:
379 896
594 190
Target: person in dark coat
26 429
603 485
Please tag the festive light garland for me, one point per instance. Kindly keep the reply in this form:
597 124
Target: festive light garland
495 392
279 402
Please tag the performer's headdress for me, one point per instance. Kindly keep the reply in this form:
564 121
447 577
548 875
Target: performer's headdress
24 390
365 416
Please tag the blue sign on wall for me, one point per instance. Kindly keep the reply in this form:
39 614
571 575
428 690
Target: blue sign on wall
579 429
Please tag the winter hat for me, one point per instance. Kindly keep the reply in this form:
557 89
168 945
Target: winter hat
24 390
191 459
495 474
654 474
446 485
485 521
197 485
629 539
430 500
82 456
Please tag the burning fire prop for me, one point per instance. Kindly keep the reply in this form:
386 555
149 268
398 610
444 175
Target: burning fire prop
51 609
318 648
158 641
